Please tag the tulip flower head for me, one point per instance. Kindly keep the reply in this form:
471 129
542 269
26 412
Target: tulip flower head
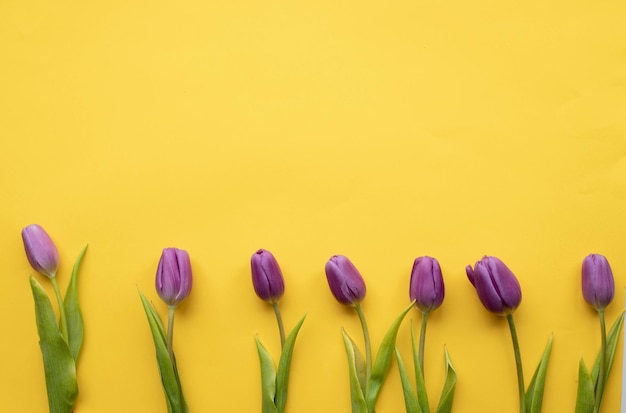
426 286
41 252
496 285
173 278
344 280
267 278
597 280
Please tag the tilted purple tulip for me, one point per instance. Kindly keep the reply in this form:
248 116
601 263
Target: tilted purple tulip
426 286
41 252
496 285
173 278
598 283
267 278
344 280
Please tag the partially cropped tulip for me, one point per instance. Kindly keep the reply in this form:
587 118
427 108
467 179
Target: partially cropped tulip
344 280
598 283
426 286
267 278
496 285
41 252
173 278
598 291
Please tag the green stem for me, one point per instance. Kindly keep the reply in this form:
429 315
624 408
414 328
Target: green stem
602 373
170 331
423 340
62 318
281 327
368 348
518 362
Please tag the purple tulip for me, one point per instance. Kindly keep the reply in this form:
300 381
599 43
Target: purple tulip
344 280
267 278
41 252
598 283
173 278
496 285
426 287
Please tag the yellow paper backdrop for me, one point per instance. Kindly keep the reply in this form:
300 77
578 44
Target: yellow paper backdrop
379 130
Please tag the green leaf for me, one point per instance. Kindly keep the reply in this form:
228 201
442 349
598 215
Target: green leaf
585 401
169 375
356 394
534 394
284 365
383 360
268 379
73 314
410 399
447 393
422 395
611 346
361 370
58 363
185 408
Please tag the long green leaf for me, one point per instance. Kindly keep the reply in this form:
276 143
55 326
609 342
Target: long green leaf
73 314
58 363
169 379
585 401
284 365
447 393
184 406
356 394
410 399
383 360
361 370
611 346
268 379
534 394
420 383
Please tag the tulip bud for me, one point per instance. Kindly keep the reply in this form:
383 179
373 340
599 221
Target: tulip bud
496 285
426 286
173 278
41 252
267 278
598 283
344 280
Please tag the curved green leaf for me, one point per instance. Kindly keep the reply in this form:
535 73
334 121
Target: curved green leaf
420 383
58 363
268 379
359 361
410 399
611 346
447 393
585 401
169 375
73 314
356 394
383 360
284 365
534 394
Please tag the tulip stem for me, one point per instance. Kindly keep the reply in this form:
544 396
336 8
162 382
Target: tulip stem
368 347
602 372
281 327
170 331
62 318
518 362
423 340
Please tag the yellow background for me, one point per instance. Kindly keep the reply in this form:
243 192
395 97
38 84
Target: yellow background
379 130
